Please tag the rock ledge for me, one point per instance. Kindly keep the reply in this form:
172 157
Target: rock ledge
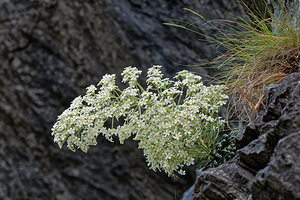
267 165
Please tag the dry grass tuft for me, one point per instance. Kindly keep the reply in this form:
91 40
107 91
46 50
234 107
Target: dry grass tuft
260 51
247 82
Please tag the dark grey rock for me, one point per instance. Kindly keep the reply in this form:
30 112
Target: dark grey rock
50 50
267 163
281 178
248 135
188 195
223 182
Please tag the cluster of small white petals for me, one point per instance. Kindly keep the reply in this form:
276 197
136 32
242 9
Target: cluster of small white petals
171 126
130 75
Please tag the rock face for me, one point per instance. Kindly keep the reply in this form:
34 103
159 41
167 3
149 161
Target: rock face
267 164
50 50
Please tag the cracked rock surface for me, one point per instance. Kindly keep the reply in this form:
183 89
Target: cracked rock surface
50 50
267 164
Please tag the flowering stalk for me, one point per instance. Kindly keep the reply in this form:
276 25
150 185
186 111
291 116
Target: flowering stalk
172 132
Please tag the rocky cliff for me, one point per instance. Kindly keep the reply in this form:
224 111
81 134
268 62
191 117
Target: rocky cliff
50 50
267 164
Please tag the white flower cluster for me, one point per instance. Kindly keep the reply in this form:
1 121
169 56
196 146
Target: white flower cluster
173 121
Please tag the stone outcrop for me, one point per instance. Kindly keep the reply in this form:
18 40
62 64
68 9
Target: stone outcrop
50 50
267 164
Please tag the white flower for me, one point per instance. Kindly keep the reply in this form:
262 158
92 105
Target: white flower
168 156
131 74
91 89
177 136
209 118
181 172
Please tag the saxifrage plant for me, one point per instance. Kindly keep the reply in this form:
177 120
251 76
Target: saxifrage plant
174 121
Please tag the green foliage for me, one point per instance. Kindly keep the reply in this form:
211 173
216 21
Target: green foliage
224 151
